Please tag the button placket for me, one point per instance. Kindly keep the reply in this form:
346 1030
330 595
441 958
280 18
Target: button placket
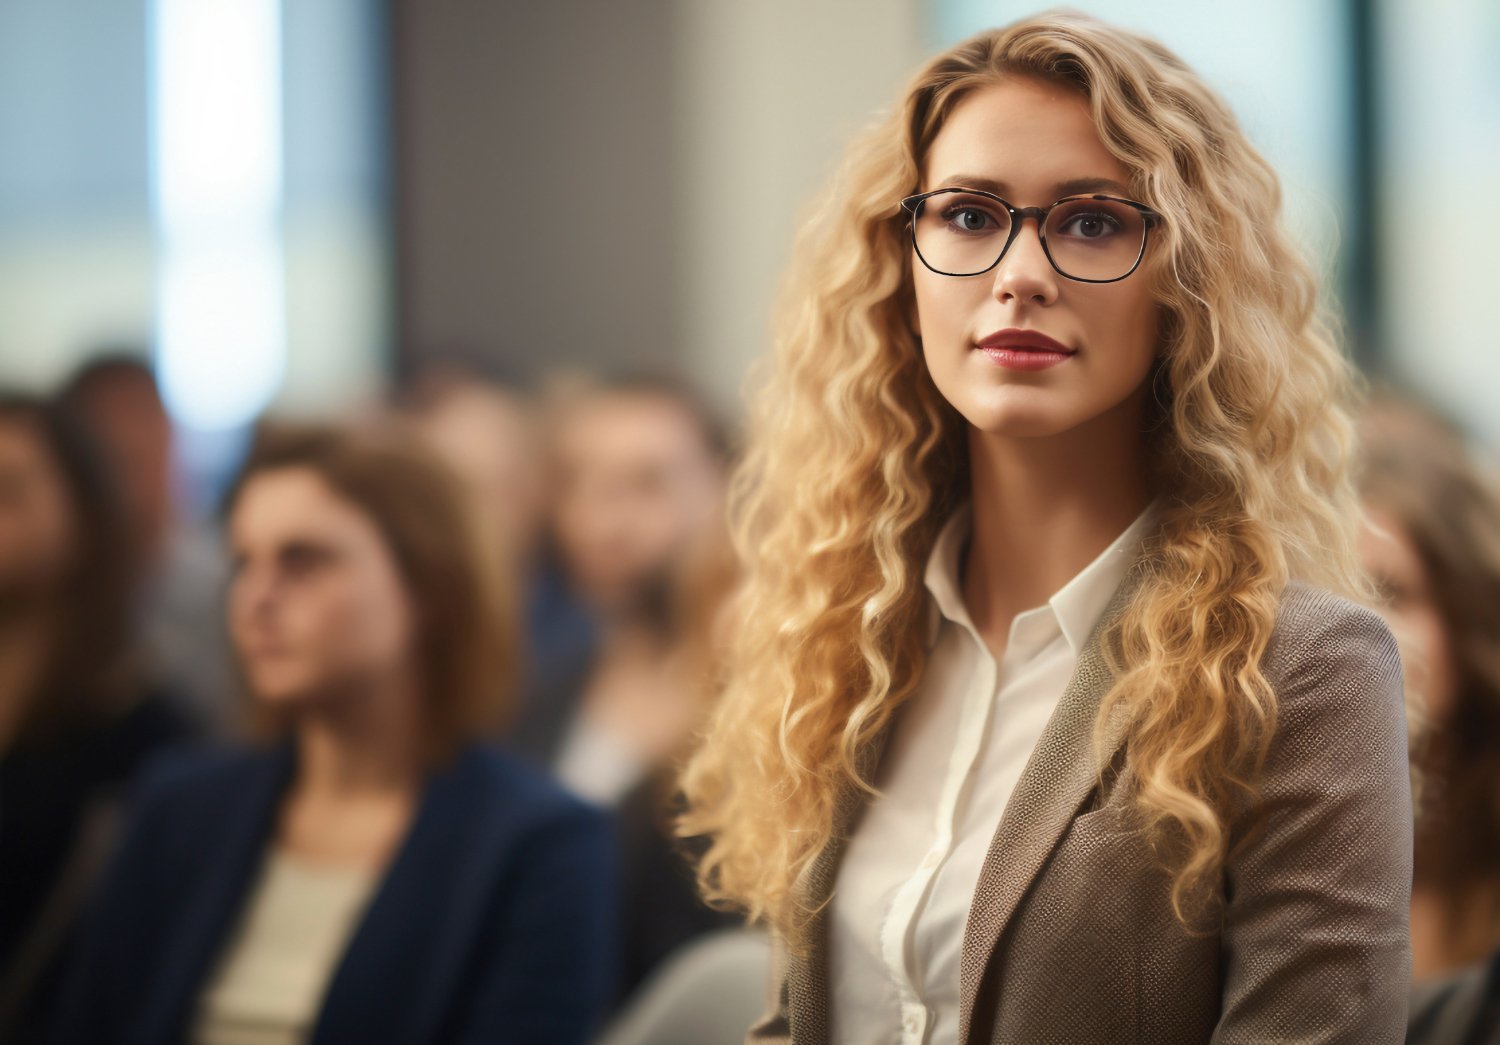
913 1023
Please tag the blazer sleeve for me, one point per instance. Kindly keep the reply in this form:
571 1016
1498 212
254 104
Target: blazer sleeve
774 1026
552 968
101 988
1318 882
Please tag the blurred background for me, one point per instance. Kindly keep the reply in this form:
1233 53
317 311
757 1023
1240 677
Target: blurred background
299 205
543 239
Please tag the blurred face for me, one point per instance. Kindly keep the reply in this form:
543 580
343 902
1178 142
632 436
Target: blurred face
637 487
1411 611
1032 143
317 607
136 436
37 530
491 440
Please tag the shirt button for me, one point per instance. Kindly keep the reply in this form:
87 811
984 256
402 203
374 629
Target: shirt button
912 1023
931 860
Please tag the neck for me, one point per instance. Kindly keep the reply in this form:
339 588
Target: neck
1044 509
634 637
27 633
367 744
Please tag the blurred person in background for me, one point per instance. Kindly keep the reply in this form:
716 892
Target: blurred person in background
491 435
376 875
77 714
639 529
1432 547
177 560
640 478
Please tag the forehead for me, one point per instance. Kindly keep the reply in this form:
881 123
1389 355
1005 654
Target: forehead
1024 139
622 426
287 504
21 444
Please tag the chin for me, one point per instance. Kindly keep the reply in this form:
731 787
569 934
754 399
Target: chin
1019 427
1018 417
277 690
1035 412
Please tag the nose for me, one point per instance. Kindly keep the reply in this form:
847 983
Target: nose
252 593
1024 274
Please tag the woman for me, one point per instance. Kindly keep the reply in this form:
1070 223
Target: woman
1433 549
638 528
376 876
1044 721
77 713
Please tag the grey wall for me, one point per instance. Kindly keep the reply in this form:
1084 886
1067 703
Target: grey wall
535 182
615 184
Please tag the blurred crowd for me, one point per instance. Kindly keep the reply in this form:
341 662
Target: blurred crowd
383 748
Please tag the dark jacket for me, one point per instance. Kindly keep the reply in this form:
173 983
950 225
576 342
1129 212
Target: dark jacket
492 924
61 803
1462 1010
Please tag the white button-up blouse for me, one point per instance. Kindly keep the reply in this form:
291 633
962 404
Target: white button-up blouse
954 756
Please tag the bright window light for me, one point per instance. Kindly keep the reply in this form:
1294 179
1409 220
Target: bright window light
217 186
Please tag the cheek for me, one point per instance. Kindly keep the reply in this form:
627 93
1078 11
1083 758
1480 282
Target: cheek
386 618
348 621
939 302
1425 654
1427 658
579 517
1125 327
37 540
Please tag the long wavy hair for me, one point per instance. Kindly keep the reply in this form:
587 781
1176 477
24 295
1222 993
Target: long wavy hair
1416 471
855 460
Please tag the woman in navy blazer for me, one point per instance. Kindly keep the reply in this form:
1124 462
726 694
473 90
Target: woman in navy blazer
366 634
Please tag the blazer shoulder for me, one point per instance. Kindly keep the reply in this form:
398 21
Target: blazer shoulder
525 790
1305 607
1336 661
181 780
1314 624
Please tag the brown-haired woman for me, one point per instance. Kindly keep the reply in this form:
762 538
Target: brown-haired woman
77 715
378 876
1433 548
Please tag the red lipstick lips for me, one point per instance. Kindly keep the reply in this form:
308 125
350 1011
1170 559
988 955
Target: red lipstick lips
1017 349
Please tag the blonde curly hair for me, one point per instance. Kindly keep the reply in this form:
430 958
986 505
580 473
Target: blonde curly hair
855 461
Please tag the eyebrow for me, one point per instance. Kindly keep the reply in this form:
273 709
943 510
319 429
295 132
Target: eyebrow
302 545
1071 187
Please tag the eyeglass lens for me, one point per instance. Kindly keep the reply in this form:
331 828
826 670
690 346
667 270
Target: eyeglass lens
962 234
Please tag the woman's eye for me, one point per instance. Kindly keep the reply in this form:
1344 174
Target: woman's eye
301 562
969 219
1090 225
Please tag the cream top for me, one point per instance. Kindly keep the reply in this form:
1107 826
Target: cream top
269 985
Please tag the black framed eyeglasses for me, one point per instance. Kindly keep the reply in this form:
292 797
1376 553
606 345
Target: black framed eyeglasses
1090 239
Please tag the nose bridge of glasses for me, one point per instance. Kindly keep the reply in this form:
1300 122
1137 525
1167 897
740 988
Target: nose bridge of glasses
1020 214
1018 221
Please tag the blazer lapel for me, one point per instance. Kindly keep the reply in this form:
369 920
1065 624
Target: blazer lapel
807 977
230 852
1059 777
402 964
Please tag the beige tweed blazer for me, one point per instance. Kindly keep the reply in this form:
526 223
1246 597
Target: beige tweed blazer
1071 936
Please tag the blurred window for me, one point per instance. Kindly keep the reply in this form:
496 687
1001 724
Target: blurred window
1440 151
85 260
